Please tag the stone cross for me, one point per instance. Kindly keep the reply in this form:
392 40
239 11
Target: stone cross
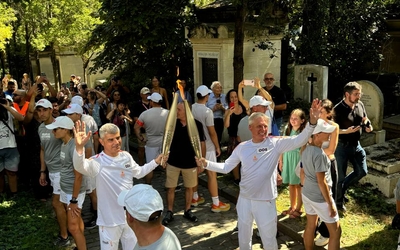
311 79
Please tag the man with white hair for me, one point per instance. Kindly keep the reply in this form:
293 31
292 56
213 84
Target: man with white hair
217 103
144 206
114 171
258 192
153 121
257 104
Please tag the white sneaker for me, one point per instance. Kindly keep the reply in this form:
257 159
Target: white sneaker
321 241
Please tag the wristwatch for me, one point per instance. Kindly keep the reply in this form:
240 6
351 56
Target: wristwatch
73 200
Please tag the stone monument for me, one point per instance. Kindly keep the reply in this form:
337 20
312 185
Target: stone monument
310 82
372 98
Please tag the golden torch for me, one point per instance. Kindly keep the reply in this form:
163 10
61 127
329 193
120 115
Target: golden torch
170 125
191 126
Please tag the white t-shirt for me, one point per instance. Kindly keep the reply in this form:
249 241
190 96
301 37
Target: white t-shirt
113 175
90 123
259 163
206 117
167 241
154 120
7 138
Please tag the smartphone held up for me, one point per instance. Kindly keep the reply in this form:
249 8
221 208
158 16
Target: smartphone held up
248 82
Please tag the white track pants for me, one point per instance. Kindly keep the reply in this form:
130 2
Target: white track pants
264 213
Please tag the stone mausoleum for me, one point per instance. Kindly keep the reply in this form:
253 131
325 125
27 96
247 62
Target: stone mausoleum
213 46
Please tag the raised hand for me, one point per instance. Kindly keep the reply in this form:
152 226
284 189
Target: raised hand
315 111
81 138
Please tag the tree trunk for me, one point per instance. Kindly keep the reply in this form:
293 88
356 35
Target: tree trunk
28 63
238 62
54 65
39 69
85 64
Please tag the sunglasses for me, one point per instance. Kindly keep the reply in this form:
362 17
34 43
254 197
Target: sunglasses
268 79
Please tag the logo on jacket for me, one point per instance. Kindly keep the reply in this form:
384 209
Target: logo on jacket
262 150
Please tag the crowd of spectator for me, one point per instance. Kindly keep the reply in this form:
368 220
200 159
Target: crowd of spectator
75 141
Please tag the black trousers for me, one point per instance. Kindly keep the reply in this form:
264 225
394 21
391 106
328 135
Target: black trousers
219 128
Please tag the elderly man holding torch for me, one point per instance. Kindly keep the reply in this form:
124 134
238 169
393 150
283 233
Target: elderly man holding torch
258 185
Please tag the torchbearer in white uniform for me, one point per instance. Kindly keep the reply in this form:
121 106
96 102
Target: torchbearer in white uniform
114 171
258 190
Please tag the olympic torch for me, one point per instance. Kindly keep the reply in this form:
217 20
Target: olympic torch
191 127
169 127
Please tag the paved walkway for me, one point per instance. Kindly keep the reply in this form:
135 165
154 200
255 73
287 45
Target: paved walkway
212 231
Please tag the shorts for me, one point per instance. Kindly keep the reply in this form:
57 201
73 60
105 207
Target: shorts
110 237
90 184
211 156
189 176
152 153
140 143
55 182
319 208
9 159
65 198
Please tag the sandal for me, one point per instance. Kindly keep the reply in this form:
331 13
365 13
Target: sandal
287 212
295 214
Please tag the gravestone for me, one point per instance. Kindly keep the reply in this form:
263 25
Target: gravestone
310 81
372 98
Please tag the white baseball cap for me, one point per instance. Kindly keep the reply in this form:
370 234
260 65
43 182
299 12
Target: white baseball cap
145 90
203 90
259 100
8 97
44 103
61 122
141 201
323 127
73 108
77 100
155 97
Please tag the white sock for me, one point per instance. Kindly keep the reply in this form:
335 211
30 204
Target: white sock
215 200
195 195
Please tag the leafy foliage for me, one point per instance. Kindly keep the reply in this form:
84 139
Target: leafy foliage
5 24
44 25
345 35
143 38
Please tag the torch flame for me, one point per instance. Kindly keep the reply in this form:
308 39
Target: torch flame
181 90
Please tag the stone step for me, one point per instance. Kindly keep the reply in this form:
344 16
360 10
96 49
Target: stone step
384 157
392 127
385 183
383 161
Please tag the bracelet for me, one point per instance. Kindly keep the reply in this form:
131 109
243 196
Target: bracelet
73 200
42 171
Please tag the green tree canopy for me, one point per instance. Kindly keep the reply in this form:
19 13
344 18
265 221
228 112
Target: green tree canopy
143 38
345 35
7 16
